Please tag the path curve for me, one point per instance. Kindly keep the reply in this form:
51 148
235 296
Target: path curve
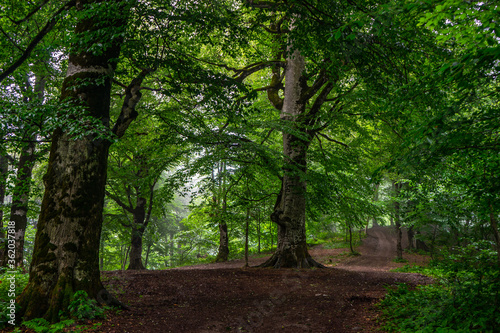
377 251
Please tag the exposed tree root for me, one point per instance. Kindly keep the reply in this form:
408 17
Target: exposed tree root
279 260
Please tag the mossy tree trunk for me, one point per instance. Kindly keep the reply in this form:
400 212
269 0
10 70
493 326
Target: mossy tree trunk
66 251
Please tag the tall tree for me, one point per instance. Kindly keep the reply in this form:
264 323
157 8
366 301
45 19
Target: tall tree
65 257
22 188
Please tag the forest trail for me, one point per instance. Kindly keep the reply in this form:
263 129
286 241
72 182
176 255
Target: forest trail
377 251
225 297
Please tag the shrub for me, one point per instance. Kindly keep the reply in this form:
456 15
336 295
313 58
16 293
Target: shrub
465 297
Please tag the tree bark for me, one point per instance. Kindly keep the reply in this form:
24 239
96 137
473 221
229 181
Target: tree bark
135 255
4 168
397 221
223 252
496 232
411 238
21 193
375 199
138 228
290 208
247 222
66 251
22 189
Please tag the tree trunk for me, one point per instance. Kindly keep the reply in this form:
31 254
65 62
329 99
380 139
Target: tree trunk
258 231
101 255
496 232
148 251
247 222
125 259
223 253
138 228
66 251
411 238
171 250
290 208
350 239
21 194
136 251
4 168
397 220
375 199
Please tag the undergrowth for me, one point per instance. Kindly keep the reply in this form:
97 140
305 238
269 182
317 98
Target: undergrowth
80 308
464 298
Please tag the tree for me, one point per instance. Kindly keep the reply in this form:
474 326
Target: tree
65 257
135 168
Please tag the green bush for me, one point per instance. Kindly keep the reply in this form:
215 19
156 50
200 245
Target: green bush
464 298
82 307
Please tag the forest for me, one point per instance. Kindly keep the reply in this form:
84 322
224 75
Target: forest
141 137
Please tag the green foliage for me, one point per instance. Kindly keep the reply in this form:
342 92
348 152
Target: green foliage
20 281
82 307
41 325
464 298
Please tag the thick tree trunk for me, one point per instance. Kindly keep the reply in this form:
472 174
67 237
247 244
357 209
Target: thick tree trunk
66 251
21 193
290 209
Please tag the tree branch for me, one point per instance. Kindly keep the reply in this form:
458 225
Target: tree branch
132 97
38 38
332 140
119 202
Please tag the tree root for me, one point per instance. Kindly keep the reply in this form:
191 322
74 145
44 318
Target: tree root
278 261
104 297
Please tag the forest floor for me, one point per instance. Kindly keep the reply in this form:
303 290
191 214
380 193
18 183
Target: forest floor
226 297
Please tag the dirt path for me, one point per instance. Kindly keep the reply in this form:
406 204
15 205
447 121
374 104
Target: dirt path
228 298
377 252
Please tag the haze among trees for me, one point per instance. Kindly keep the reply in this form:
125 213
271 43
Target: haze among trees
153 134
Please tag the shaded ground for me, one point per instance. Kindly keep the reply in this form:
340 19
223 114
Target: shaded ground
228 298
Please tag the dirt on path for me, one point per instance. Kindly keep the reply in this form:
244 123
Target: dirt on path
225 297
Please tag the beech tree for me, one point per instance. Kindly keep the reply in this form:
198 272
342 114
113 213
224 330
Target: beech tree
65 257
